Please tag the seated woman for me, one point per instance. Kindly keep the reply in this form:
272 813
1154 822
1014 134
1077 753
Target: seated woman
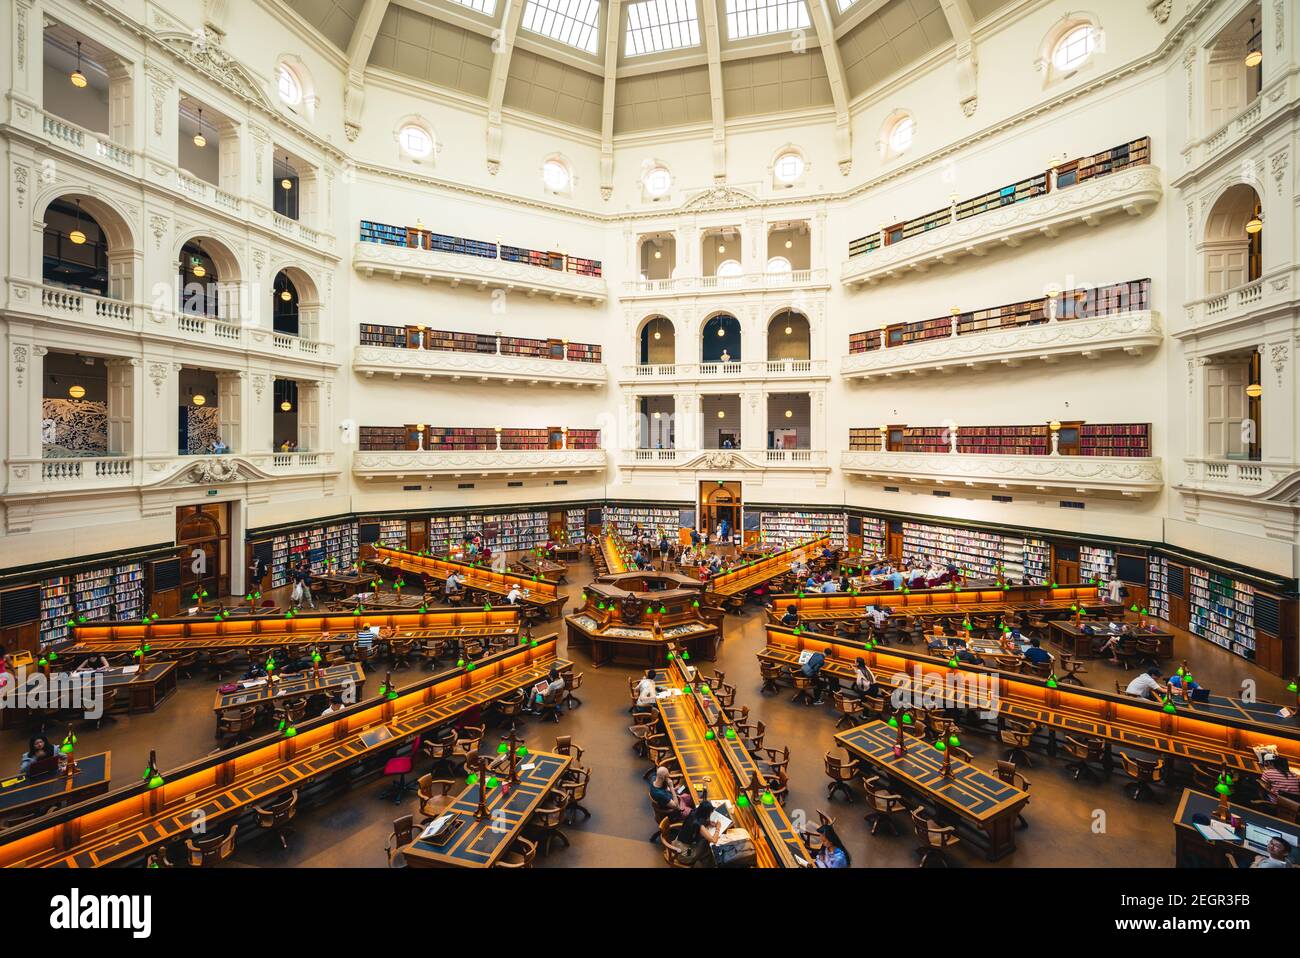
832 854
677 804
1278 779
92 663
697 832
38 748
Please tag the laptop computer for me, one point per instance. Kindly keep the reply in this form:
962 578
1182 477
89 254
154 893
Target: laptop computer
1257 838
43 766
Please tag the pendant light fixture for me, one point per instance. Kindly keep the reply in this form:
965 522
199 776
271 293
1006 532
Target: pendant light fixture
1254 51
789 244
1255 224
77 77
287 183
199 139
286 295
77 236
76 392
199 399
286 406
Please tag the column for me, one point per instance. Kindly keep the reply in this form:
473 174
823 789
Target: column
121 105
817 241
22 22
309 205
753 434
230 390
309 415
684 421
122 421
259 433
162 390
27 375
753 246
258 182
229 158
817 419
1278 427
163 104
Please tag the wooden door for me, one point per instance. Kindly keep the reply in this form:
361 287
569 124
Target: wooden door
1225 408
1065 572
417 534
894 544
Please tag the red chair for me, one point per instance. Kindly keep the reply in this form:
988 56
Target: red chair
401 766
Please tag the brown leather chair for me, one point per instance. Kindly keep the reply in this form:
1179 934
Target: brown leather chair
236 725
673 852
850 708
840 771
434 795
403 834
1084 753
212 850
1144 772
576 789
547 819
276 816
883 803
771 675
521 854
1018 737
572 682
1007 772
935 839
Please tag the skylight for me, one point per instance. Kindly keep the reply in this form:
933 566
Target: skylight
572 22
487 7
845 4
657 25
756 18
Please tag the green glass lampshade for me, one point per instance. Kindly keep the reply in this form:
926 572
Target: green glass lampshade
469 667
952 662
155 781
1169 707
695 604
767 798
493 781
521 751
290 732
503 748
954 741
742 800
66 748
709 736
1292 687
383 689
1133 607
1051 681
392 694
671 656
893 721
472 778
705 689
940 746
460 663
907 718
686 656
731 734
1223 789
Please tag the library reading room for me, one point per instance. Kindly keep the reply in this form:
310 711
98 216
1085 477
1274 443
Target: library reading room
650 434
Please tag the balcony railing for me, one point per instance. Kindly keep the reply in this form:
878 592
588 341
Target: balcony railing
1238 478
713 460
1057 474
708 284
755 369
470 463
456 365
89 473
1237 305
88 143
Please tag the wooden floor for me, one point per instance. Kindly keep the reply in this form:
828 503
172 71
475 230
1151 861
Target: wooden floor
1083 824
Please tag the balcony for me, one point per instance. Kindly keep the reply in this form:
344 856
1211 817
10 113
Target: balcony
1007 347
478 272
494 463
759 370
1235 309
793 279
1125 475
87 144
427 364
809 466
1248 128
1263 482
1133 190
43 477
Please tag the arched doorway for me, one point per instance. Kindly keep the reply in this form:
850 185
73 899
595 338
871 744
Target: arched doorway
658 341
284 305
1233 246
203 543
721 499
720 340
86 246
789 336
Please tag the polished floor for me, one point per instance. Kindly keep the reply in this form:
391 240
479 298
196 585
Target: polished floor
1081 824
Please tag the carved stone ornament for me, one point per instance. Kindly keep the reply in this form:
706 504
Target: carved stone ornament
214 470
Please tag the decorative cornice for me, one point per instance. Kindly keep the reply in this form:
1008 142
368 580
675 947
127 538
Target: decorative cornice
1131 332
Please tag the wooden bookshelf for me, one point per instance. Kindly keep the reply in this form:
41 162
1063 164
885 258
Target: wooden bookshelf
863 439
1004 440
416 238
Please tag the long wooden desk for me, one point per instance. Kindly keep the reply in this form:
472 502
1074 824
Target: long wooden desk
543 593
296 685
611 551
1036 600
1079 643
725 766
759 571
481 843
140 689
980 801
125 825
1193 850
1206 736
32 794
179 636
543 567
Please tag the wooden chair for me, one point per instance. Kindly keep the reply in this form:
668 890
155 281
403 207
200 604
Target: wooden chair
1018 737
212 850
1071 669
674 853
399 653
442 748
752 735
434 795
366 655
771 675
276 816
576 789
547 819
185 662
1144 772
641 731
468 740
223 663
1287 809
1148 651
850 708
506 710
1007 772
1084 753
883 803
549 707
290 711
873 707
935 839
521 854
1040 670
235 726
777 760
1126 652
803 688
403 834
572 682
778 783
840 771
564 745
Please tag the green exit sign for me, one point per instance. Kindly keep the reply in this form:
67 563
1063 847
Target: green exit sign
212 492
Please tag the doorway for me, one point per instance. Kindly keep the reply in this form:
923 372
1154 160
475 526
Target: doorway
204 529
720 500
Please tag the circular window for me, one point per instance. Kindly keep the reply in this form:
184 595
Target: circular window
556 176
729 268
289 85
1075 47
789 167
900 134
415 141
658 181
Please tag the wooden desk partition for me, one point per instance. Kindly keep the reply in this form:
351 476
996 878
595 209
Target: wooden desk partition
758 571
180 635
1029 599
1208 736
125 825
542 592
612 552
727 765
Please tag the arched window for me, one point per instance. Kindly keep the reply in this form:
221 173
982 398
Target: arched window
1072 49
557 176
1068 46
788 168
730 268
288 85
896 134
415 140
778 265
657 181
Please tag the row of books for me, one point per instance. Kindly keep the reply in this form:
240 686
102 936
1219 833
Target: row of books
447 341
1222 610
1096 563
575 525
472 439
1118 439
324 547
501 532
979 554
1004 440
114 592
1081 303
864 439
650 519
1158 586
787 528
1067 174
417 238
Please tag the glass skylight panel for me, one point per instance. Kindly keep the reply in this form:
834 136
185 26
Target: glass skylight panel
657 25
572 22
756 18
487 7
845 4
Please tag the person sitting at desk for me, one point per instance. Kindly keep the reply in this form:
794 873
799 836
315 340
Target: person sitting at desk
791 617
813 670
92 663
1147 685
864 680
1181 685
895 580
1035 654
336 705
832 854
514 596
645 690
964 654
916 578
830 585
662 793
697 832
845 585
877 616
1278 779
455 584
38 749
1279 854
